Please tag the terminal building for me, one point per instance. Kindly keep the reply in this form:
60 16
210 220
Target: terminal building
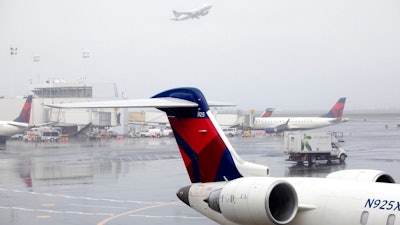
72 121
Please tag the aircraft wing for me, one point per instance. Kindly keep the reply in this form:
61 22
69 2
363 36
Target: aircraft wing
167 102
186 13
284 126
345 119
48 124
18 124
278 128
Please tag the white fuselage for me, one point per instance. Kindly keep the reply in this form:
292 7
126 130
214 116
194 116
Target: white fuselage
201 12
319 200
10 128
196 13
295 123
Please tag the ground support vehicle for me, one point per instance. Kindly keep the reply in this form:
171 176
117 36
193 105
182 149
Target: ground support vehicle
313 146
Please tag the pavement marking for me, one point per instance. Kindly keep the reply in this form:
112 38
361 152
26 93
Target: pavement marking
78 197
43 217
134 211
47 204
98 206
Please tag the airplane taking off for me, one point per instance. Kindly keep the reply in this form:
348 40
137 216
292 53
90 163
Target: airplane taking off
229 190
17 126
281 124
196 13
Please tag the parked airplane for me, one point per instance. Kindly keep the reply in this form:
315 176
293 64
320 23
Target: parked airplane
281 124
229 190
20 124
196 13
17 126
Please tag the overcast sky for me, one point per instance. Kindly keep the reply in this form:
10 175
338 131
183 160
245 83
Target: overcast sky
287 54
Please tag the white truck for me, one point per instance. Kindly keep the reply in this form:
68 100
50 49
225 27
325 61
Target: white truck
49 134
310 147
43 134
230 132
157 132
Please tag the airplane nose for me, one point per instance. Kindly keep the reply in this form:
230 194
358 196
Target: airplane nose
183 194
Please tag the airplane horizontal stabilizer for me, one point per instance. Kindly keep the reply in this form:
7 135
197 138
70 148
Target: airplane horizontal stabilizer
18 124
166 102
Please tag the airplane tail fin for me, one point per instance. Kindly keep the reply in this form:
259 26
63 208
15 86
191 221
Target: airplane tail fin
176 13
337 109
206 151
267 112
25 114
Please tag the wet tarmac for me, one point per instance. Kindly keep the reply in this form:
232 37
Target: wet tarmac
134 181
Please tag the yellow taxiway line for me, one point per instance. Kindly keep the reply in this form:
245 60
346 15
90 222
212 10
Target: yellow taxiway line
134 211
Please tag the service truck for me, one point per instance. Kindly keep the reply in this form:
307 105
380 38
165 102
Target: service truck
44 134
312 146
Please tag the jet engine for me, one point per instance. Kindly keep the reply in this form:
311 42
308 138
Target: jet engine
362 175
252 200
271 130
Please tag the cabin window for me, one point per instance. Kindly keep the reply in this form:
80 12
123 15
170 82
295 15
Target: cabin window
390 220
364 218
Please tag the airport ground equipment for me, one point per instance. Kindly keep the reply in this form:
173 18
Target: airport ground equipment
44 134
313 146
230 132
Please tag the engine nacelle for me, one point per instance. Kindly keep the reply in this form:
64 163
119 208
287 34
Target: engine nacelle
252 200
204 13
362 175
271 130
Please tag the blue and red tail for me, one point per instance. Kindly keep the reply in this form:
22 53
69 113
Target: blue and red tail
337 109
268 112
206 152
25 114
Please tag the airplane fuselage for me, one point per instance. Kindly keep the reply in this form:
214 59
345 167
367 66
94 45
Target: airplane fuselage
192 14
10 128
294 123
315 201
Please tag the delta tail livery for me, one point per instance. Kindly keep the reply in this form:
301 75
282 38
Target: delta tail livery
20 124
196 13
281 124
268 112
17 126
229 190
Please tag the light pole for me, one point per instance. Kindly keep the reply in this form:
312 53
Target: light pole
85 55
13 52
36 59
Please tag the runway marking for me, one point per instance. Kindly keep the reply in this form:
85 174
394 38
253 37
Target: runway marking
43 217
80 197
98 206
47 204
22 209
110 216
103 214
162 217
57 212
134 211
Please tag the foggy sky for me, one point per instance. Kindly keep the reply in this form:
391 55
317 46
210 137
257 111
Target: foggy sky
290 55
